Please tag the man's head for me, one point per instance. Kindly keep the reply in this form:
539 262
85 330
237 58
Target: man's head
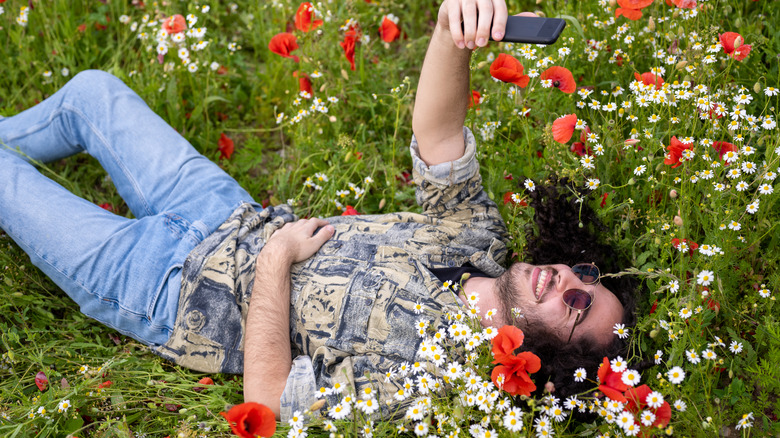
567 232
537 292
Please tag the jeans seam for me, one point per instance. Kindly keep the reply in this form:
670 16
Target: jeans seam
112 153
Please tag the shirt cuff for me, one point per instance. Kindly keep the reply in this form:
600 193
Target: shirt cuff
451 172
299 392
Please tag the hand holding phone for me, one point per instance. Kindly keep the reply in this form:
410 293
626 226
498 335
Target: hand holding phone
532 30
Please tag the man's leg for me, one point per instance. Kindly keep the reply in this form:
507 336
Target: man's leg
124 273
153 167
116 269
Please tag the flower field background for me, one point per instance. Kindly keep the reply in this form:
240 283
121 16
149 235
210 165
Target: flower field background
661 114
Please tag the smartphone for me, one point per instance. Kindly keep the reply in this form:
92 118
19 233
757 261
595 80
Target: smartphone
532 30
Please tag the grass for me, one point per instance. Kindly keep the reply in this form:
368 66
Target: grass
365 133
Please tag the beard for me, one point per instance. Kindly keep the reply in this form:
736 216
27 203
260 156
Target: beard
517 306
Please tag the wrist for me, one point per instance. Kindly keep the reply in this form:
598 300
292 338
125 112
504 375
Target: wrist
274 255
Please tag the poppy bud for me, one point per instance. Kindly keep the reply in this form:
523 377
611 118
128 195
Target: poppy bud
612 3
631 181
653 333
681 65
738 42
673 193
678 221
382 203
316 406
676 13
757 87
538 2
651 24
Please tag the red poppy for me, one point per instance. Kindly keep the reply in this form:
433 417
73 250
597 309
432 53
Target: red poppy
508 198
207 380
222 70
653 307
650 79
733 45
304 83
107 206
631 9
350 39
350 211
561 78
225 146
675 149
515 373
304 18
509 338
174 24
475 100
563 128
507 68
284 43
713 305
251 419
637 402
81 27
388 30
604 200
41 381
692 246
106 384
685 4
722 147
580 147
611 383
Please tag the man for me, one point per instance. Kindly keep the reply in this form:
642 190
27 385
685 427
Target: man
211 281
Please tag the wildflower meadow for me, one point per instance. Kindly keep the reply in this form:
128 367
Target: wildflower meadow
662 115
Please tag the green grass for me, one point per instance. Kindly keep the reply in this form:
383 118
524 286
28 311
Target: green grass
366 134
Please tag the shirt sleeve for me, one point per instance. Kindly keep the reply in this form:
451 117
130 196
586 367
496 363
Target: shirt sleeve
300 391
451 172
453 191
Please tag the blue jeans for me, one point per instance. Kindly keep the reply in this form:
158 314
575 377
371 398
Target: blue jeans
125 273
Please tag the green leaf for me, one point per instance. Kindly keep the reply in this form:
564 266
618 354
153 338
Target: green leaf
575 23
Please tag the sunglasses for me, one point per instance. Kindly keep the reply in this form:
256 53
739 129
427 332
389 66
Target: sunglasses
578 299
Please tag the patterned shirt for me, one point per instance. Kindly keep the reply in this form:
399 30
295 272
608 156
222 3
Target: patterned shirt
353 305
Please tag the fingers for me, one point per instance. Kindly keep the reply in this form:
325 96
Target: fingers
484 18
322 236
500 15
469 12
453 14
472 22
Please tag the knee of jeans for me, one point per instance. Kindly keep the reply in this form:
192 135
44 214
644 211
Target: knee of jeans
96 81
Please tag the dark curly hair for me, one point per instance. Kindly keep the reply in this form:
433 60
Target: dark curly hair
567 231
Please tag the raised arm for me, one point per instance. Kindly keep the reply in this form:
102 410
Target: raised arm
267 354
443 92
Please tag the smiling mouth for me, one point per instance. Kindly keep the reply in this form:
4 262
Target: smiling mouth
539 279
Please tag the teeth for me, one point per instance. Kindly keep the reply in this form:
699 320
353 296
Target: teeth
540 282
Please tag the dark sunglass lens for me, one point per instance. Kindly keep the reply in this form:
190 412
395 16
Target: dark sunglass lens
588 274
577 299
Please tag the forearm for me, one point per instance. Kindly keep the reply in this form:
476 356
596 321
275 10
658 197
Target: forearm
442 100
267 355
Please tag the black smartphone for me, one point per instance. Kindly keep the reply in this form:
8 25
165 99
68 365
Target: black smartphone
532 30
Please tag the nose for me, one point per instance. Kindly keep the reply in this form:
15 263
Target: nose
568 279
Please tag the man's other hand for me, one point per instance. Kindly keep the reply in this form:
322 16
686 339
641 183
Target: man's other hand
477 17
299 240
